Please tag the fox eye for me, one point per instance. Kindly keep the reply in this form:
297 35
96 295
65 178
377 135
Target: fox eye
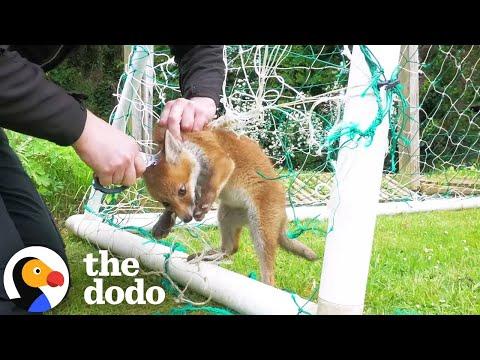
166 204
182 191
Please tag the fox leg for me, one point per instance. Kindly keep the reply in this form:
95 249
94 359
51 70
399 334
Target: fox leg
164 224
265 229
231 223
221 168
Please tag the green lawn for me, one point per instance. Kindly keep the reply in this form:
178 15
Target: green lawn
426 263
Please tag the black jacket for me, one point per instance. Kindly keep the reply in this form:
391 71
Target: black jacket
33 105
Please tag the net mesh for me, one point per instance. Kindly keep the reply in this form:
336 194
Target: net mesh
290 99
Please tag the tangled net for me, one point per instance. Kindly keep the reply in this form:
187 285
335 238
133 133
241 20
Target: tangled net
290 99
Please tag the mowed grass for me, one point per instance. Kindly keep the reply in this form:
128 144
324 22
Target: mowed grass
425 263
75 304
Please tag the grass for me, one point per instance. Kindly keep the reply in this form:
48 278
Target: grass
465 173
75 304
427 263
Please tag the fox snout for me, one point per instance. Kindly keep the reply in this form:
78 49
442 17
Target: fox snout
187 218
185 212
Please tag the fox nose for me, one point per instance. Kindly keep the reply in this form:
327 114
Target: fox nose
187 218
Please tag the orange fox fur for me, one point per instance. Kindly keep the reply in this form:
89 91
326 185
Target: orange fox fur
217 164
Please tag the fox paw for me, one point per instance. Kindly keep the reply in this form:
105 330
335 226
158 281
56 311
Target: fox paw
163 226
160 232
200 211
203 207
210 255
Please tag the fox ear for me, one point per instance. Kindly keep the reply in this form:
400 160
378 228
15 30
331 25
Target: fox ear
173 148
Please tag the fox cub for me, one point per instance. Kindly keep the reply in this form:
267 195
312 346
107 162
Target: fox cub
217 164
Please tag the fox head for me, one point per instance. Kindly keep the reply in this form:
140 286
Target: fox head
173 179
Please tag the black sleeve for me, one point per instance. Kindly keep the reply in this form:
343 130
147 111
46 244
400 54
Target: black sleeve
202 70
33 105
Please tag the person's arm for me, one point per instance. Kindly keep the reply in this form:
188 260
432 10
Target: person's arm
32 105
202 70
202 73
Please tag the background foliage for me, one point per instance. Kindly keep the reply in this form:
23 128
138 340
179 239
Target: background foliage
449 93
448 89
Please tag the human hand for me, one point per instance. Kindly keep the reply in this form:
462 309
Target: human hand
187 115
113 155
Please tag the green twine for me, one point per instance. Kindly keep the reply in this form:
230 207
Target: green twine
138 230
304 226
300 228
301 309
184 310
352 131
405 312
171 244
168 287
167 258
295 233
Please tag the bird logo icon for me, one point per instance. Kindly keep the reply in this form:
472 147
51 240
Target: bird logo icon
36 279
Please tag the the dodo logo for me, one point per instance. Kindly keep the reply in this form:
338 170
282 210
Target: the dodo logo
36 279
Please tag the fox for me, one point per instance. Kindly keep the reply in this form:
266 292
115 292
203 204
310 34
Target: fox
216 164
